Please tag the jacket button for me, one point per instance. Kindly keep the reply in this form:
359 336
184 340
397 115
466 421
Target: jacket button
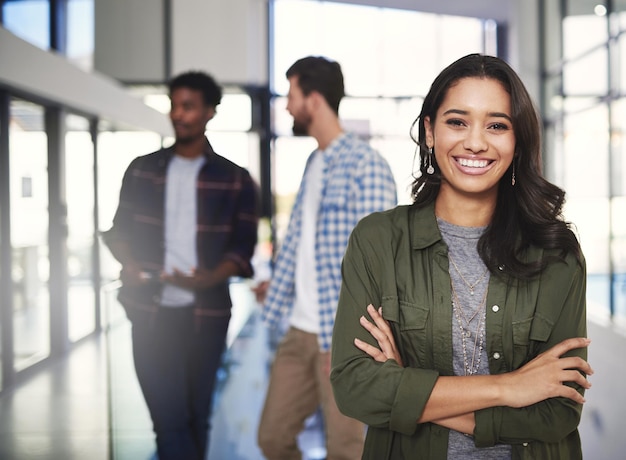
525 444
495 309
496 355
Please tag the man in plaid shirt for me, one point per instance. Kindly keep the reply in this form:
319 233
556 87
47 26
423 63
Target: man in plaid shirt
344 180
186 223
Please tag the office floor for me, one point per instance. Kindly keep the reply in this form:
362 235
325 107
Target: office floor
64 412
89 405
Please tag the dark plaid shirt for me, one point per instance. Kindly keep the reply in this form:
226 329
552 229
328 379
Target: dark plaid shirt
227 217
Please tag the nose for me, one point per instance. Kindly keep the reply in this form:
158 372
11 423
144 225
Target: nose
475 140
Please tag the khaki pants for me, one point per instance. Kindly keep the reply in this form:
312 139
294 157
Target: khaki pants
299 384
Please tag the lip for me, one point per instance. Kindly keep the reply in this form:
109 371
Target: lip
473 166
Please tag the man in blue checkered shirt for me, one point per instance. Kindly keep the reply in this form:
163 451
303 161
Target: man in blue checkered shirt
344 180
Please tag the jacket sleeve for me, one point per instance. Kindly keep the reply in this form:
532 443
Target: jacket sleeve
122 220
561 304
246 217
382 395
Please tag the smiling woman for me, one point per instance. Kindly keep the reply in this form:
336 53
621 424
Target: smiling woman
485 359
473 142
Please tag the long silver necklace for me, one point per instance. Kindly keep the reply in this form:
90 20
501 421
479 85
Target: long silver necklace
471 286
466 332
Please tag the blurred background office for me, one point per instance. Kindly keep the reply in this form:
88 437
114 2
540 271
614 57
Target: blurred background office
82 93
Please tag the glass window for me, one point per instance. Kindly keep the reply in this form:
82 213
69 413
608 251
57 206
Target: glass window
576 81
618 147
388 52
389 59
586 152
79 175
584 27
29 20
622 59
29 231
586 161
80 33
618 253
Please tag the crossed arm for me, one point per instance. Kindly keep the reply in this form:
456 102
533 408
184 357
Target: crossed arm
454 399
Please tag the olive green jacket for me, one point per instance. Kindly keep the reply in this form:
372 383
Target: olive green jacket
398 260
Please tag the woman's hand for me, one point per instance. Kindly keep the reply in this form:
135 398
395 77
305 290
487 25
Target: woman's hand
543 377
381 331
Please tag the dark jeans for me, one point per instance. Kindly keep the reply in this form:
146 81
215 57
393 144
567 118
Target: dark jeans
176 366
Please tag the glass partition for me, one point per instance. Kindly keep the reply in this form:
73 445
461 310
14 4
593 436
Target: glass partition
29 231
79 175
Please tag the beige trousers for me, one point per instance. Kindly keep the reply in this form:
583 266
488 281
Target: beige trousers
299 384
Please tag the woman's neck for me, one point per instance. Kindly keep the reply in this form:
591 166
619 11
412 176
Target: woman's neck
465 211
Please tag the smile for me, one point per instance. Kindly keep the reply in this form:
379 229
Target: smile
472 163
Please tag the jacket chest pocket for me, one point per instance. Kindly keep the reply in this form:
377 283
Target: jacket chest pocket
527 332
409 323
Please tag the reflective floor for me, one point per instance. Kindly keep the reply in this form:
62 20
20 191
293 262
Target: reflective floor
88 406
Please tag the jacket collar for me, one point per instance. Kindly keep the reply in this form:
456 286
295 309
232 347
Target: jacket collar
207 151
424 219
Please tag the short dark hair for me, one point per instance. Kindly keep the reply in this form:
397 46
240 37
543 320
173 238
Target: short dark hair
200 81
316 73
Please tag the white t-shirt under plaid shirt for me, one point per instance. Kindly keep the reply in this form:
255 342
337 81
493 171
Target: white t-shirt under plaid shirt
357 181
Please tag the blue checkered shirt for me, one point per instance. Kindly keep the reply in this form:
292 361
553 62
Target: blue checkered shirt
357 182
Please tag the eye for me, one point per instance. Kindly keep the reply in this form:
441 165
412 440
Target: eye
499 127
455 122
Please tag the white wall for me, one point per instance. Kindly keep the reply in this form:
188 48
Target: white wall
129 39
226 38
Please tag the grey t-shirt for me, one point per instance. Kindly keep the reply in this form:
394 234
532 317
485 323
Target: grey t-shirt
468 317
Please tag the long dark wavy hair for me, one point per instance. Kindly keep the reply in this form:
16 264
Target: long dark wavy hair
527 213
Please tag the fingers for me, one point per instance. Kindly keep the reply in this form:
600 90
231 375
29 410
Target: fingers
574 376
569 392
380 331
576 362
567 345
550 375
377 316
370 350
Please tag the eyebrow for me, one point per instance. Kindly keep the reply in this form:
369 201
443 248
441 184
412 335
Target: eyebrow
491 114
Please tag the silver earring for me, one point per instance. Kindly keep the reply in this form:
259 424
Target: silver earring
430 169
513 176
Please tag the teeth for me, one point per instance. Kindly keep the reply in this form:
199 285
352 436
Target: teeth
473 163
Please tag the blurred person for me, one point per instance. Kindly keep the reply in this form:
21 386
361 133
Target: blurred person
344 180
461 325
186 223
